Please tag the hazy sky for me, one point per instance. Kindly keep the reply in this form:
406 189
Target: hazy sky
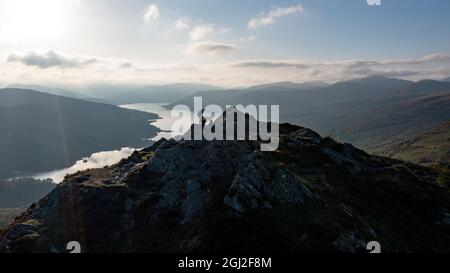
222 42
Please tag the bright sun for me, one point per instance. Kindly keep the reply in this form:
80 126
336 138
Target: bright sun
35 18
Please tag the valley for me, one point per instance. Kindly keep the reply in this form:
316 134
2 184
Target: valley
43 132
198 131
357 119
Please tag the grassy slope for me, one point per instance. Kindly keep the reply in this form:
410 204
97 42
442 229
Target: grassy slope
430 148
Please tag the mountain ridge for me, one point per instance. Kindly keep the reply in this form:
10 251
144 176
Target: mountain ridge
312 194
367 112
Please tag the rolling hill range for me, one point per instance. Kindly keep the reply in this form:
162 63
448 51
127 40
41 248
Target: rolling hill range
56 91
368 112
43 132
127 93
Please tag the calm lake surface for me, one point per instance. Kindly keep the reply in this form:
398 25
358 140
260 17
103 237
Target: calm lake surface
165 122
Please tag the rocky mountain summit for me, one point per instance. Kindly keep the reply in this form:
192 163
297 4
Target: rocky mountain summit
312 194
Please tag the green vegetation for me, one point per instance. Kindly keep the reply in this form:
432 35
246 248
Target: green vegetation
430 149
145 156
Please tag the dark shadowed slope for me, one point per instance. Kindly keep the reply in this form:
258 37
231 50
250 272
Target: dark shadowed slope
43 132
313 194
18 194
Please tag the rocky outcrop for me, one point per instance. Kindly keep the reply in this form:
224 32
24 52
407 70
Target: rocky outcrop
312 194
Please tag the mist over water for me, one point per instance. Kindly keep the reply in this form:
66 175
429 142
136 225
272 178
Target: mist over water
96 160
107 158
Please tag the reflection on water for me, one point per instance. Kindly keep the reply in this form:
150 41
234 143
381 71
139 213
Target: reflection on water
96 160
166 121
107 158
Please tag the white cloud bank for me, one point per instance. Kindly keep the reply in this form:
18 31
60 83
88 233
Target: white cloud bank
95 161
63 69
433 66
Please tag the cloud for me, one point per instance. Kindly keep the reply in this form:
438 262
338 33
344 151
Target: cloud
274 14
419 68
90 61
428 59
151 13
395 73
126 65
74 2
250 38
269 64
437 57
238 73
357 63
392 73
50 59
182 23
210 48
201 32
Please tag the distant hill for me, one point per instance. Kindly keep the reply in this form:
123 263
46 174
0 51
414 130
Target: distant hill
427 86
43 132
299 96
17 194
22 192
56 91
368 112
288 85
431 148
126 94
7 215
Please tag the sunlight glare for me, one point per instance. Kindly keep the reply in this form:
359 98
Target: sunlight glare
35 19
